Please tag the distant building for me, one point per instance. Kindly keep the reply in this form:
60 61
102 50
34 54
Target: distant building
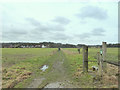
22 46
43 46
38 46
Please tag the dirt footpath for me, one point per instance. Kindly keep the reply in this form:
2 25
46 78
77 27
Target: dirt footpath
56 77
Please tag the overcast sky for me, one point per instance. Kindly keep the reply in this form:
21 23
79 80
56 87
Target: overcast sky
61 22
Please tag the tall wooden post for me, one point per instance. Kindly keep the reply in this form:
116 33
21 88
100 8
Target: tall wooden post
119 47
104 49
85 58
0 67
99 59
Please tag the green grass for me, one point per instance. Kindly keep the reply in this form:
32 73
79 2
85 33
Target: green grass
24 64
74 64
18 61
112 53
12 56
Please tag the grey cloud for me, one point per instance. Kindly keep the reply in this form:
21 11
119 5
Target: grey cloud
11 36
84 35
33 21
21 36
45 27
37 30
62 20
94 32
18 32
14 30
59 36
50 27
93 12
37 37
13 33
98 32
44 30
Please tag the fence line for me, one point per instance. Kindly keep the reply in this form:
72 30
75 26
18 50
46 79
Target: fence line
116 64
101 59
107 61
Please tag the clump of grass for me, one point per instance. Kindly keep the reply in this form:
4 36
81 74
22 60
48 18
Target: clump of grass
14 76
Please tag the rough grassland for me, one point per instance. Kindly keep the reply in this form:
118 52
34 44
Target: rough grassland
112 53
74 62
21 68
21 65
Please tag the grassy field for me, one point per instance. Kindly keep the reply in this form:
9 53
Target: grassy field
74 64
112 53
21 67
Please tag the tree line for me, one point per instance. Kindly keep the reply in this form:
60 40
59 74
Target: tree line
50 45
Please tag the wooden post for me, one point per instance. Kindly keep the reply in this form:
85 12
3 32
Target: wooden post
104 49
119 68
79 50
85 58
58 49
99 59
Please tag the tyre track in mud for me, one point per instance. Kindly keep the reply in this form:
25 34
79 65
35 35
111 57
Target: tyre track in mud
59 71
56 77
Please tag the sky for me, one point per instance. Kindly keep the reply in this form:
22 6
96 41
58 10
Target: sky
61 22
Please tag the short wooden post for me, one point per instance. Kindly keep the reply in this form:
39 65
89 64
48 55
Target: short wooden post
104 49
58 49
85 58
79 50
99 59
